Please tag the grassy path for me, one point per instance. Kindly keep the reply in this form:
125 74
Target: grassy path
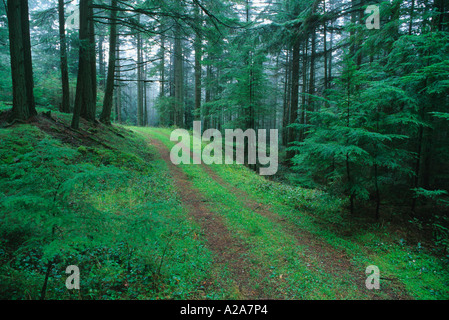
227 250
258 253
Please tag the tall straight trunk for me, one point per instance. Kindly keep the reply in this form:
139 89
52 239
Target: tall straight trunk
21 62
273 120
27 55
171 84
330 50
84 99
179 79
312 71
326 80
162 67
118 103
198 55
93 57
294 94
250 108
286 106
105 116
305 61
207 97
65 105
139 81
145 104
249 64
101 63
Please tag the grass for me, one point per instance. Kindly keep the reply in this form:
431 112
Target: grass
103 199
424 275
274 254
416 269
115 211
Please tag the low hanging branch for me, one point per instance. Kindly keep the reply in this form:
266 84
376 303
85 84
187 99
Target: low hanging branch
134 80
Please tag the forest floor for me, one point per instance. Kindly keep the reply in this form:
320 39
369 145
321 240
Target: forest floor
269 253
148 229
251 277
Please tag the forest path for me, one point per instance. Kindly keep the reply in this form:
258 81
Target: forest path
228 251
326 265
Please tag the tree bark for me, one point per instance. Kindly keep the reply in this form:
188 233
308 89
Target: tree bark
310 102
118 105
93 57
198 55
105 116
101 63
65 104
294 94
21 62
84 100
140 112
286 106
179 79
305 62
162 67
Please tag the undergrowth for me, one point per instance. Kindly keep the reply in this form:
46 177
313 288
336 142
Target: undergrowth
110 209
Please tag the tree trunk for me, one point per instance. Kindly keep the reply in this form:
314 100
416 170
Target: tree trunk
198 54
105 116
286 106
294 94
21 62
139 81
93 57
330 50
84 100
162 67
179 79
65 105
208 96
305 59
326 80
101 62
310 102
145 104
118 104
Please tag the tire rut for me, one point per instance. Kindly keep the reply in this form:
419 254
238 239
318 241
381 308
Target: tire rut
336 263
227 250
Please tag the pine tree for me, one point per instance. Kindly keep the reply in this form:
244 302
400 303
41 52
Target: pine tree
21 62
85 100
105 116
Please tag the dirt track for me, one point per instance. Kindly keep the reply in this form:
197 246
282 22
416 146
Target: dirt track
230 252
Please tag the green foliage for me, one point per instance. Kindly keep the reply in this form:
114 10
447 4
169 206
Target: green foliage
320 204
432 194
165 106
104 210
379 121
